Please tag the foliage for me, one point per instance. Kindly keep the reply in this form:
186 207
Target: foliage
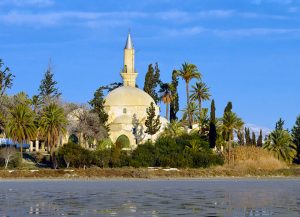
152 122
173 129
280 142
187 73
212 126
260 139
174 106
48 90
296 136
143 156
200 93
253 140
6 79
20 126
88 125
74 155
97 104
8 153
247 136
152 80
52 124
122 142
104 144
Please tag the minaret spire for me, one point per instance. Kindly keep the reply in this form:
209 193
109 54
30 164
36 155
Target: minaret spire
128 73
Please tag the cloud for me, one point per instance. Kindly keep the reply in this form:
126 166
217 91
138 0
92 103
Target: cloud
254 32
59 18
285 2
24 3
184 31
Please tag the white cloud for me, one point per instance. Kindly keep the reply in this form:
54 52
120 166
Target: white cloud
254 32
285 2
184 32
57 18
23 3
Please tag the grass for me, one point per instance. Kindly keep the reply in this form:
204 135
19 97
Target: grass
144 173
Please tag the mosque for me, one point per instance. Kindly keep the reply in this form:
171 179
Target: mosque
126 106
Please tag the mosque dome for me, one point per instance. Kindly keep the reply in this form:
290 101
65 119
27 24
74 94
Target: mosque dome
128 96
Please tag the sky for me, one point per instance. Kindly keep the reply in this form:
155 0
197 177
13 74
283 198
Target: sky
248 51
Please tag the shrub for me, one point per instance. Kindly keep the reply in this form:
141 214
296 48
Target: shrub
101 158
104 144
143 156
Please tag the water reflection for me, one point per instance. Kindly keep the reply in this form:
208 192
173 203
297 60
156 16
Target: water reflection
150 198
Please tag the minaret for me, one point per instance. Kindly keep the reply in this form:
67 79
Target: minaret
128 73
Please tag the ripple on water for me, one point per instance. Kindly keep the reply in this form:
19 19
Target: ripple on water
150 198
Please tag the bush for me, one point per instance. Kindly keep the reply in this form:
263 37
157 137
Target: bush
104 144
101 158
143 156
74 155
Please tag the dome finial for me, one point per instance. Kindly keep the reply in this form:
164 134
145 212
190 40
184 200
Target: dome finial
129 44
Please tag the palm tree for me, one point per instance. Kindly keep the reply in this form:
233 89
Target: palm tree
191 109
52 124
166 96
173 129
281 144
187 73
231 122
20 126
200 92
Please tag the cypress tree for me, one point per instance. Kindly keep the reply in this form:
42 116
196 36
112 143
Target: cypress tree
253 139
152 80
241 138
212 126
296 136
48 90
279 124
152 122
228 107
260 139
174 106
97 104
247 136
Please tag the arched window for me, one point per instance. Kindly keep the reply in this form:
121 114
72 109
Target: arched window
124 110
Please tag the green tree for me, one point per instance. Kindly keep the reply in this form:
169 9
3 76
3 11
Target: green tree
230 122
260 139
279 124
20 126
52 124
212 126
174 106
173 129
6 79
280 142
97 104
48 90
296 136
152 80
200 92
253 139
187 73
152 122
247 136
193 109
166 96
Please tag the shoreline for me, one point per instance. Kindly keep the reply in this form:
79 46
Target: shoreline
217 173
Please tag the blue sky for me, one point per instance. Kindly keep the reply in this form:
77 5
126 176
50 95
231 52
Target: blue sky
248 51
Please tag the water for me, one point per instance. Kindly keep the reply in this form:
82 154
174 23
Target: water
150 198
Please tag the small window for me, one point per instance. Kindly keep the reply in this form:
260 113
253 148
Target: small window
124 110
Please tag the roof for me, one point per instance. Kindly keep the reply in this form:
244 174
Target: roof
129 44
128 96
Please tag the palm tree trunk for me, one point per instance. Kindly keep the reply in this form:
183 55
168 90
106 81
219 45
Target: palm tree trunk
188 104
200 113
229 142
167 111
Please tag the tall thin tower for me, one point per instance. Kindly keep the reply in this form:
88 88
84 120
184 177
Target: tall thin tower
128 73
